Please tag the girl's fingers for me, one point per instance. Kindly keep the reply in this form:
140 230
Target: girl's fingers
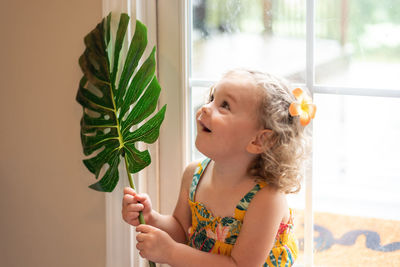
135 207
130 191
141 197
133 215
144 228
134 222
139 238
129 199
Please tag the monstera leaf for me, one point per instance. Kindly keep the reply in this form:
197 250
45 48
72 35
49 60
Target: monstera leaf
116 96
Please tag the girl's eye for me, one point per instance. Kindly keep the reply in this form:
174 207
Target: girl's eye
211 99
225 105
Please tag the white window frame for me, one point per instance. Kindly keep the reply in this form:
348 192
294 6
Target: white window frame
314 88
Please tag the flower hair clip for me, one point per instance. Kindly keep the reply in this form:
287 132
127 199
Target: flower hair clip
302 107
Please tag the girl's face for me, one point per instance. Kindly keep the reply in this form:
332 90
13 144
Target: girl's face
228 123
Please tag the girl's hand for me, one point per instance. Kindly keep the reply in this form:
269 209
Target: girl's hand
154 244
132 203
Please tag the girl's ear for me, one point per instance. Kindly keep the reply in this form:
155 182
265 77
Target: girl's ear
258 143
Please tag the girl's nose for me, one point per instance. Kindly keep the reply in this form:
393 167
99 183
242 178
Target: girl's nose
203 111
205 108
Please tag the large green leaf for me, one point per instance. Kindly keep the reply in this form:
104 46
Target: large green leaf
116 95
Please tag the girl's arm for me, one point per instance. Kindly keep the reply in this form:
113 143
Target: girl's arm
156 245
175 224
260 226
252 247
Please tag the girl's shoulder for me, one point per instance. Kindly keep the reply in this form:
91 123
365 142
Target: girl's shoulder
269 201
270 194
188 173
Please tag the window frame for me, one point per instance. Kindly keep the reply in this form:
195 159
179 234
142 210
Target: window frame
314 89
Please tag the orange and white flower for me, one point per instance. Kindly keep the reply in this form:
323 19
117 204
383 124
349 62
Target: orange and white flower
221 232
303 107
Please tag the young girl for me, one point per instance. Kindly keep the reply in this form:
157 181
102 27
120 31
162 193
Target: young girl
233 203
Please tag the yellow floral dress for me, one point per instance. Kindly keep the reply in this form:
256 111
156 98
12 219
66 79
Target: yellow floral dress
218 235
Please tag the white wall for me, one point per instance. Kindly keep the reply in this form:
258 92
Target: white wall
48 215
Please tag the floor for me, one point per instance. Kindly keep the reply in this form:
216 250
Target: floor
349 241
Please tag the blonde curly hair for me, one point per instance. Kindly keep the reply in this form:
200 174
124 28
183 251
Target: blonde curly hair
286 149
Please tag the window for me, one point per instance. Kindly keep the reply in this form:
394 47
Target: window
348 54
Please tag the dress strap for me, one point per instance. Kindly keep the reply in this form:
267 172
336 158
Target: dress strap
245 201
196 177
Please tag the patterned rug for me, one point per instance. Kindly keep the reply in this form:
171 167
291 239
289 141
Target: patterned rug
341 241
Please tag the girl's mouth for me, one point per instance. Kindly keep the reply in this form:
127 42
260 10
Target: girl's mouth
204 128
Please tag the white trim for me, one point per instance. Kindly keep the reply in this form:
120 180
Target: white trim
323 89
149 177
189 55
310 44
120 245
310 78
355 91
201 83
185 40
188 32
119 235
172 66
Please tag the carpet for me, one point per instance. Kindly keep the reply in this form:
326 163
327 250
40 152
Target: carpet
342 241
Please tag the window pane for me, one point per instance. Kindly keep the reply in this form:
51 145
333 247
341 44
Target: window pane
356 181
264 35
199 97
297 203
363 37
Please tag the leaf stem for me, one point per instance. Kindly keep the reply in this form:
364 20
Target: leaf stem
132 184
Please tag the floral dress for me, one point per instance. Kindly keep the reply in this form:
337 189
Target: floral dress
218 235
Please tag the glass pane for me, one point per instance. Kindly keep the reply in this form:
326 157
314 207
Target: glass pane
297 203
358 43
199 96
356 181
265 35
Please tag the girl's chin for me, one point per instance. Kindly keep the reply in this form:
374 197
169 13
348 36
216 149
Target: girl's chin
203 148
